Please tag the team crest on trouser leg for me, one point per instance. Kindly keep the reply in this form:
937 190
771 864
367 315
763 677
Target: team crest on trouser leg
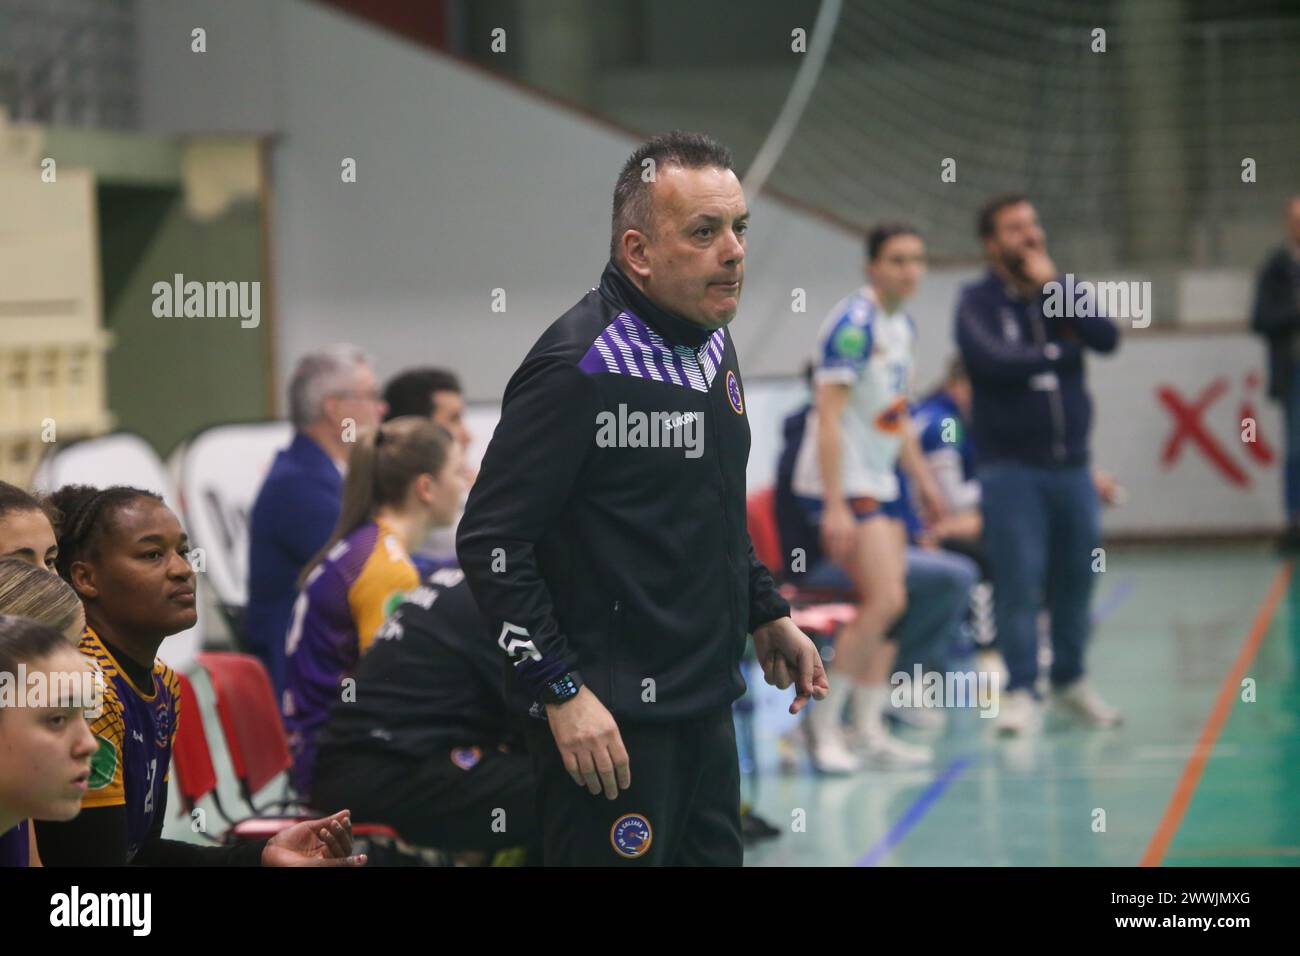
631 835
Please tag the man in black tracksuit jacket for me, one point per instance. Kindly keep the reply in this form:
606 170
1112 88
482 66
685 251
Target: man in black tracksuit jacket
605 536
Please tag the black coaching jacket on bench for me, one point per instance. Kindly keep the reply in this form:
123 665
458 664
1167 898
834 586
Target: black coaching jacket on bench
589 549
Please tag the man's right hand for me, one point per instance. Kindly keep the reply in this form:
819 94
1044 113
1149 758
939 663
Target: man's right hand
590 744
1037 267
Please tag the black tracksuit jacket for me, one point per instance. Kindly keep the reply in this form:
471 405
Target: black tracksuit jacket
588 551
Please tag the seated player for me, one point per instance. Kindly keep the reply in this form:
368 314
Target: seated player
424 745
125 553
942 424
844 478
26 528
404 478
45 746
30 591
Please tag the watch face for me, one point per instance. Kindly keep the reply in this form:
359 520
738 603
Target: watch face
562 689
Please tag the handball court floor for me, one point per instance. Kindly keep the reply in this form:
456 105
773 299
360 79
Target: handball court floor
1194 776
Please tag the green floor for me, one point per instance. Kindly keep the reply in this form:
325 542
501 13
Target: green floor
1173 622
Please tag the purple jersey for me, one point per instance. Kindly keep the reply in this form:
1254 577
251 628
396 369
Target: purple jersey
135 734
14 850
343 601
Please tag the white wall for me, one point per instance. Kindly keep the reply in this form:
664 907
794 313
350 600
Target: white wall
229 88
466 184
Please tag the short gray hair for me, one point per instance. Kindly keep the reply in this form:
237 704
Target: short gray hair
633 207
318 375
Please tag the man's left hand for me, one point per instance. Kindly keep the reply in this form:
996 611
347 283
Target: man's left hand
788 656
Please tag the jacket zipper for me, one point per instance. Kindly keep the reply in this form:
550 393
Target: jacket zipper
722 484
616 617
1054 396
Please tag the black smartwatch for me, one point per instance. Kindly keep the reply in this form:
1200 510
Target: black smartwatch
563 688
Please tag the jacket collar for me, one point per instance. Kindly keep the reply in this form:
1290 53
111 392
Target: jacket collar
311 455
619 289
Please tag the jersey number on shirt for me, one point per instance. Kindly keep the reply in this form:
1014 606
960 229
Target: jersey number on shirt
148 797
898 377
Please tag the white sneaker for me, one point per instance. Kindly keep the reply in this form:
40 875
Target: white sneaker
887 752
830 753
922 718
1082 703
1017 712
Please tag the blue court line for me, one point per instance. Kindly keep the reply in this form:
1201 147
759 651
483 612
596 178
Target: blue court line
913 814
1113 599
1116 596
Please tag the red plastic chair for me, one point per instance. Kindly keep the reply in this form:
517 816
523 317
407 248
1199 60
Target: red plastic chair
255 738
249 718
760 519
196 775
827 608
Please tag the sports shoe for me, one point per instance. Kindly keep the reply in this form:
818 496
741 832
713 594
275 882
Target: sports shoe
830 753
754 828
1082 703
887 752
922 718
1017 712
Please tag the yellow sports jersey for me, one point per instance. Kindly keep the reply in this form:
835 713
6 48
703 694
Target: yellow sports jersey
342 604
135 733
385 578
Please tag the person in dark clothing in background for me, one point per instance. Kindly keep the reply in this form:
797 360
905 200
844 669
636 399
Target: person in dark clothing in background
1276 316
1030 421
605 538
425 743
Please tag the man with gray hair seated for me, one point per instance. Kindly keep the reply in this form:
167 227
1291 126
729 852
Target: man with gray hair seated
332 396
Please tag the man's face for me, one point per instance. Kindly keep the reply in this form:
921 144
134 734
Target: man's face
1293 220
449 412
897 269
28 535
693 262
1016 230
359 401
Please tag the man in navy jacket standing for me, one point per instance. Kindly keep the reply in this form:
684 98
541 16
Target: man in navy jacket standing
1031 418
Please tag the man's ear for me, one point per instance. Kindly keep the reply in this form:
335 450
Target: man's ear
329 407
83 579
635 258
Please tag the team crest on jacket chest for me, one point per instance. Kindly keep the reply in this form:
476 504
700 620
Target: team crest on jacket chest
733 394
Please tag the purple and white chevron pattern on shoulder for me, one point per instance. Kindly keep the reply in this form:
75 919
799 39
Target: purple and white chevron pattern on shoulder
628 346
